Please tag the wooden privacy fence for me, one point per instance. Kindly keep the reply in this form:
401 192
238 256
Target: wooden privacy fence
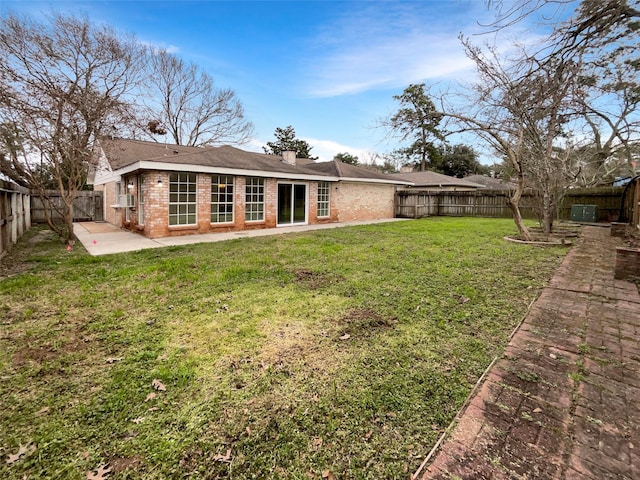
87 207
494 203
606 199
478 203
15 214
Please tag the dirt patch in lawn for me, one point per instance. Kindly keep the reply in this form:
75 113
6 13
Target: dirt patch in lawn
314 280
363 321
68 342
120 464
33 354
16 261
291 347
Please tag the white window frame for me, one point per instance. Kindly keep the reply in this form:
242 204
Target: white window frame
324 199
229 190
118 193
183 199
140 200
254 199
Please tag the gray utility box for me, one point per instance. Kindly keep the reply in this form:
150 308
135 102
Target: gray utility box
584 213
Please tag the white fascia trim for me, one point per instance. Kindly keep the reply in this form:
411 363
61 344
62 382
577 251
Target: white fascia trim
374 180
107 177
178 167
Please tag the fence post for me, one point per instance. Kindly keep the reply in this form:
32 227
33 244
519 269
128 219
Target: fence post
15 219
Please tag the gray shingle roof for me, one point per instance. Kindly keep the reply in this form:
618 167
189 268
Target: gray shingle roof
122 153
340 169
433 179
493 183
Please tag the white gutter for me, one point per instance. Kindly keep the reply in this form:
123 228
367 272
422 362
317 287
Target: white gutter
375 180
180 167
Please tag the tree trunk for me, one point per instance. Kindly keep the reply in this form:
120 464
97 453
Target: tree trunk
547 213
514 205
68 235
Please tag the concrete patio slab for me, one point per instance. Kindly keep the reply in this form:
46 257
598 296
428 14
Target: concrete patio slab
102 238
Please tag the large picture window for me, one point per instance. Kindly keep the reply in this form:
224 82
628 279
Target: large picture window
254 199
182 199
221 199
323 199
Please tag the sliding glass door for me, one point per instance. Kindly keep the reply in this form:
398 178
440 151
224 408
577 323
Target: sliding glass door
292 203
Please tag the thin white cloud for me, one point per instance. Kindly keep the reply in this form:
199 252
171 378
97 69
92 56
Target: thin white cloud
391 63
388 45
160 46
325 150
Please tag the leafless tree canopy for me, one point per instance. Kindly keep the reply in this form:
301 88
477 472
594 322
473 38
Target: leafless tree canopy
62 85
186 103
566 112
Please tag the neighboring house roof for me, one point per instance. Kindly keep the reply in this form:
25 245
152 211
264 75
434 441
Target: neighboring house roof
336 168
433 179
489 182
122 156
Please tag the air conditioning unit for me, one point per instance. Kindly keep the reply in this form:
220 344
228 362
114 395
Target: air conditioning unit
127 201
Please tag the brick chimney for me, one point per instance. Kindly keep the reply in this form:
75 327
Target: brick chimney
289 156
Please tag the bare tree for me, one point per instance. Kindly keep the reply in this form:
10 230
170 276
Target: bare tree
517 108
592 19
585 76
606 102
62 85
185 102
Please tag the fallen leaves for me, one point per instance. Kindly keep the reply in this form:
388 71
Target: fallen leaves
101 473
346 336
462 299
328 475
23 451
150 396
42 411
158 385
223 458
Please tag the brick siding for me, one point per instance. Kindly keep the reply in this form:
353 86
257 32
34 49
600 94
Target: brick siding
364 201
349 201
627 264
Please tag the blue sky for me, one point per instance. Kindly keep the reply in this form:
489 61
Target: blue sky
328 68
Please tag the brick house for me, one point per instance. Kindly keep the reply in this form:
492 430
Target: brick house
162 190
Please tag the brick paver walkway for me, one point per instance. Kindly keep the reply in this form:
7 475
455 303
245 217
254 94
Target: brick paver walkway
564 400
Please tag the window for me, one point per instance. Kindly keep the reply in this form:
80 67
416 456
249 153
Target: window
127 199
254 199
323 199
221 198
182 199
140 200
118 192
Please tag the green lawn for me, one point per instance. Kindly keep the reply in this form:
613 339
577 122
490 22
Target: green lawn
346 350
